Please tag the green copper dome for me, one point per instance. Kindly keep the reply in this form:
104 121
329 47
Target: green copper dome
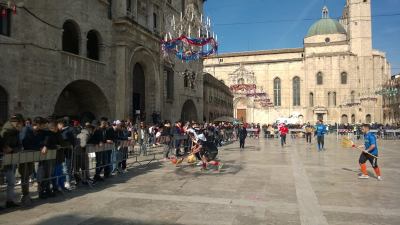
326 26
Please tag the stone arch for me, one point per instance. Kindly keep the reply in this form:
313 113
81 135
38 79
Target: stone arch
353 118
277 85
345 119
152 82
296 91
368 118
320 78
3 105
343 77
240 106
71 37
189 111
93 45
82 99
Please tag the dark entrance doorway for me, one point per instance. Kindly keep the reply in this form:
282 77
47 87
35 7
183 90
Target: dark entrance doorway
139 92
320 116
189 111
241 115
3 105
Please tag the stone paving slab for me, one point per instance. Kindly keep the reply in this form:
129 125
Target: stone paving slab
264 184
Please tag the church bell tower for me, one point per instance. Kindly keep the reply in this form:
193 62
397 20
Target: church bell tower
359 26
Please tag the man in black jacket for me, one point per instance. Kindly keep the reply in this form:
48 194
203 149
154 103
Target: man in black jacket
68 143
242 136
103 135
32 140
11 144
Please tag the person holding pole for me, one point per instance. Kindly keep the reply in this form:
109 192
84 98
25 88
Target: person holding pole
369 154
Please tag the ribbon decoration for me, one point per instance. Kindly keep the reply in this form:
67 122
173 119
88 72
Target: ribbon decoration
175 46
243 87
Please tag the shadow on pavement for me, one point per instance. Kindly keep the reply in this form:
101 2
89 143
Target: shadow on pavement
97 220
82 190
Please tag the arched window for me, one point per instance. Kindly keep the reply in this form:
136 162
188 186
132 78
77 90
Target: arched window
3 106
186 80
329 99
71 37
311 100
345 119
353 119
368 118
277 91
334 98
343 78
320 78
296 91
353 96
241 81
92 45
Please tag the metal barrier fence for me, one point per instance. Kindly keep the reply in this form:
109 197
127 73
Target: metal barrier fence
79 164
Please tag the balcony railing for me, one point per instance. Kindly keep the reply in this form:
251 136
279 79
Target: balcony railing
78 65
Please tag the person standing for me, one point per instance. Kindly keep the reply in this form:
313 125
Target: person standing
67 144
309 131
32 140
11 143
242 133
369 154
143 138
283 130
320 131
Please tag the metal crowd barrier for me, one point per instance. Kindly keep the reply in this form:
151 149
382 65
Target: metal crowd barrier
82 163
27 157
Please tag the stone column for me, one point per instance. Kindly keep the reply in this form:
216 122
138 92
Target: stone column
122 94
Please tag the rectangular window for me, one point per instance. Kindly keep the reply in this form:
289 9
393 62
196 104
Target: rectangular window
109 11
169 83
128 6
154 21
5 21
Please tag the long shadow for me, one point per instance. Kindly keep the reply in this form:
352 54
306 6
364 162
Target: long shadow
359 172
99 220
83 190
192 171
247 148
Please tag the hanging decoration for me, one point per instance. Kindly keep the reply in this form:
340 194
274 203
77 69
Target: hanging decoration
240 88
244 85
189 38
183 49
6 6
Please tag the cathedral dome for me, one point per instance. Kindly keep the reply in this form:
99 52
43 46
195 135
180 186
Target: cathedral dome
326 25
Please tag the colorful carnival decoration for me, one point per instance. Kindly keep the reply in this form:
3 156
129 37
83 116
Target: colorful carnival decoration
244 85
183 47
189 38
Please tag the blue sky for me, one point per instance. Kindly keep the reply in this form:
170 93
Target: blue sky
244 25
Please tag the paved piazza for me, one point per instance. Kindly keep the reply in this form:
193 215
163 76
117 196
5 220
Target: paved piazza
264 184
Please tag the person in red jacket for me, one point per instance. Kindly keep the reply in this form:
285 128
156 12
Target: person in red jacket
283 130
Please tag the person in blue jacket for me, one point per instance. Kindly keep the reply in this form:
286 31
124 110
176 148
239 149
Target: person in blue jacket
320 130
370 153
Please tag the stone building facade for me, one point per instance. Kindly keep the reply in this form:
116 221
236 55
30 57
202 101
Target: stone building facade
391 101
218 99
325 79
94 58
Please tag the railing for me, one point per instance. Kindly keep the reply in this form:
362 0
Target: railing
76 64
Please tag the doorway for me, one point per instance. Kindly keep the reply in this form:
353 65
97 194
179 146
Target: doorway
241 115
